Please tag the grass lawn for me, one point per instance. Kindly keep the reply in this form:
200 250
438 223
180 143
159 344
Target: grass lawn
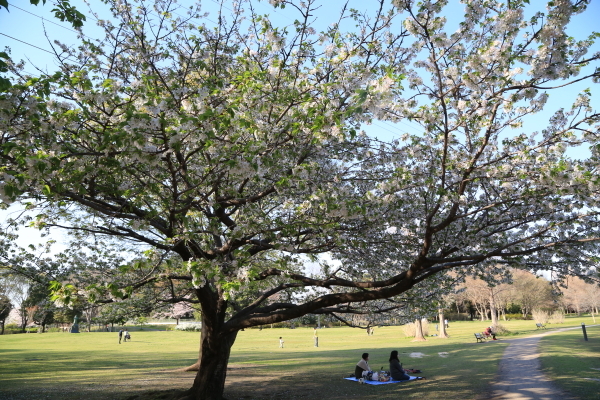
572 363
94 366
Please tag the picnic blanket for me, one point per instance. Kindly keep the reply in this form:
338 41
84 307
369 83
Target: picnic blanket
412 378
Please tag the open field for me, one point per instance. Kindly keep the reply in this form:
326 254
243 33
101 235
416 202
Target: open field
94 366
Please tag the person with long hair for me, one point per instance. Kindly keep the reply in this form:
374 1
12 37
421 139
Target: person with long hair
396 371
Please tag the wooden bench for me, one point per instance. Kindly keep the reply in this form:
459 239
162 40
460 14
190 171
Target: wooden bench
540 326
480 338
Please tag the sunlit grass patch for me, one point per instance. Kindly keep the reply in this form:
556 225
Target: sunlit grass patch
572 363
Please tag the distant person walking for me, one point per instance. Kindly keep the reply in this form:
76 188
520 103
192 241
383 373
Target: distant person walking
280 342
126 336
120 335
316 336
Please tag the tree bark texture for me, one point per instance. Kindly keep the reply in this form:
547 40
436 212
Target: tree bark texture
209 383
215 347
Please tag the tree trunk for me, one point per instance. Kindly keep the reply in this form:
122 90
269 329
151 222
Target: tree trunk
493 311
419 337
442 325
209 383
24 318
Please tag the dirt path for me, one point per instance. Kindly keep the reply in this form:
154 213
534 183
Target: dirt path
520 376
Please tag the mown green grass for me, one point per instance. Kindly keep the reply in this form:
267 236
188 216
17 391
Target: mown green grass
94 366
572 363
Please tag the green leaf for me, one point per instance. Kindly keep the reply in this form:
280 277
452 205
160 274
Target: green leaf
4 84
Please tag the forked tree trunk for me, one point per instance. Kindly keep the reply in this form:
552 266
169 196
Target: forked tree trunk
442 324
419 337
215 347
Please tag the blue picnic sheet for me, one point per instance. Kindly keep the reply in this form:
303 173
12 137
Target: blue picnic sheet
412 378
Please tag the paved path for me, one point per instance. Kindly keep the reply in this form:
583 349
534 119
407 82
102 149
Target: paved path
519 373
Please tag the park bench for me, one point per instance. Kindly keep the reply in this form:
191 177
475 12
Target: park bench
540 326
480 338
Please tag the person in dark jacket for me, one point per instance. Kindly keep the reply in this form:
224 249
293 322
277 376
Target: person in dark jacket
362 365
396 370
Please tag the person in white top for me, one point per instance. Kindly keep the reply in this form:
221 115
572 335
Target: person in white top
362 365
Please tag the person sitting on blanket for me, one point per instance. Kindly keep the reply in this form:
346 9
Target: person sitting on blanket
362 365
396 370
488 332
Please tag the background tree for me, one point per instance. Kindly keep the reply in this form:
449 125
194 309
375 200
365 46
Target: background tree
16 288
238 148
489 297
64 316
5 309
531 292
40 309
580 296
179 310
